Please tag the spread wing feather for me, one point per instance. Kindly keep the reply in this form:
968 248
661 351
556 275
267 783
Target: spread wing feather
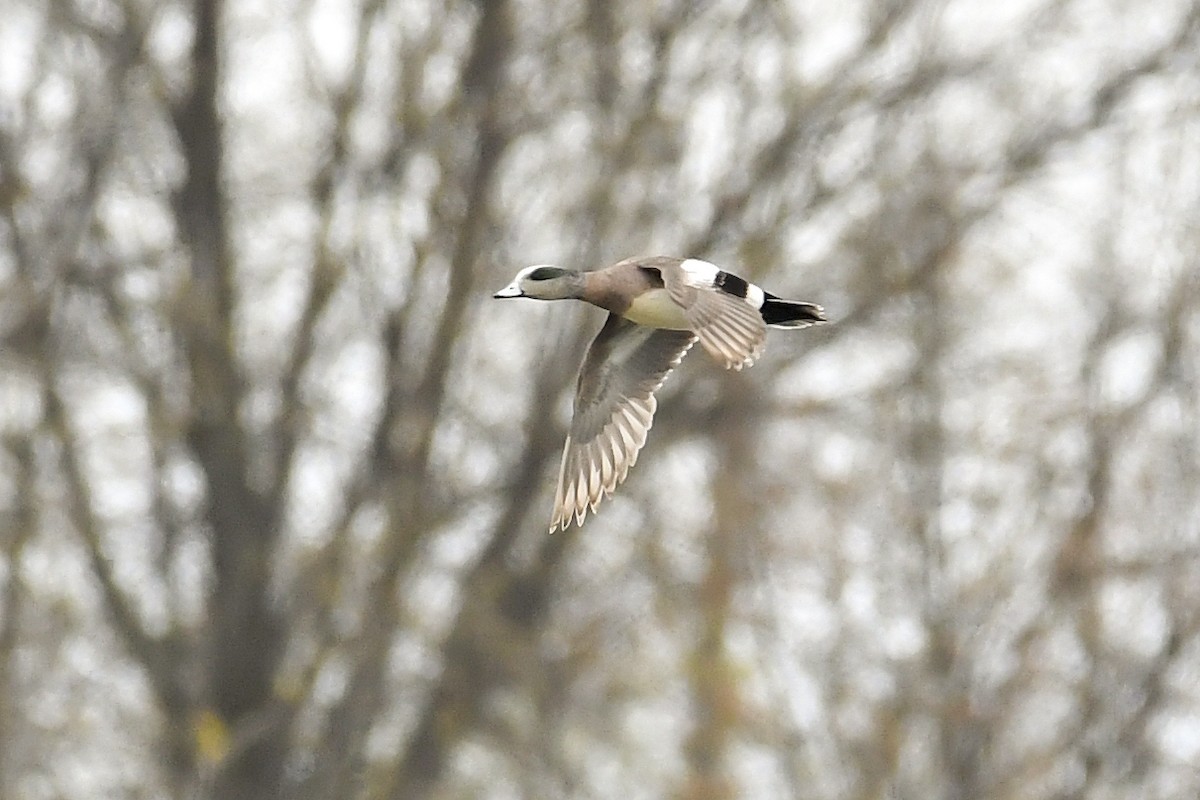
614 409
729 328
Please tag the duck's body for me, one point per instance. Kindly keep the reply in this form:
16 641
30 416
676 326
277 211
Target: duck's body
658 308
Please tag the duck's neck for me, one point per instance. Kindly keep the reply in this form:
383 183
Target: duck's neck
576 285
598 289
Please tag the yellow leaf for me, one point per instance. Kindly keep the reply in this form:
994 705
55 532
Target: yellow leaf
211 736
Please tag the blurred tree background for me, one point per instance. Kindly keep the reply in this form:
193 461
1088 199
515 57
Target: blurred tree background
276 472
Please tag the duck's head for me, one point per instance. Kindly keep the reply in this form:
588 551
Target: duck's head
544 282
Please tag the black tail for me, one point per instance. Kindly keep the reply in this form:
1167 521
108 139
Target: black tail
790 313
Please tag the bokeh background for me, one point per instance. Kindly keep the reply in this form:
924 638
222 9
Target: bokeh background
276 471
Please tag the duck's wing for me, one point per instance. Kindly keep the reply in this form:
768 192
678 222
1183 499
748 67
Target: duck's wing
721 309
614 409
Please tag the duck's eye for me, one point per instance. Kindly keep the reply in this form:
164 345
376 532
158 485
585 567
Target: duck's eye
546 273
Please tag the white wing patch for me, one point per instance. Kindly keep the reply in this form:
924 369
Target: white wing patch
703 275
699 273
755 296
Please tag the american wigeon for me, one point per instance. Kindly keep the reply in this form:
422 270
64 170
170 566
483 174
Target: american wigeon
658 307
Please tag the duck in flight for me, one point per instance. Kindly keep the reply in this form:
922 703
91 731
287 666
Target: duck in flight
657 309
